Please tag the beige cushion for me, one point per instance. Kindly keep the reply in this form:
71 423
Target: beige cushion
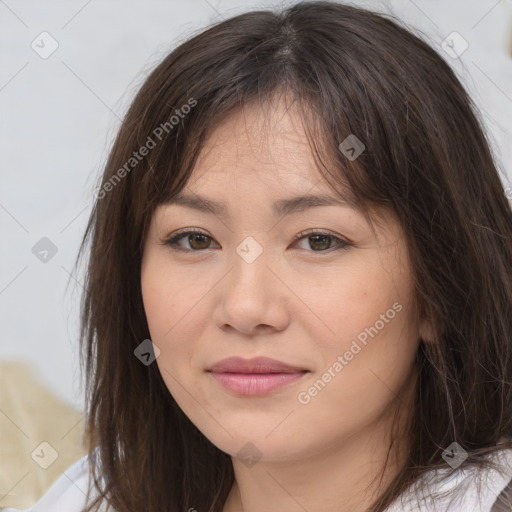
30 414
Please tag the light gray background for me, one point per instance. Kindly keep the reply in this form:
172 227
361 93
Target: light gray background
59 116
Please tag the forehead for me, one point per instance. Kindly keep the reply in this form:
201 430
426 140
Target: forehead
264 141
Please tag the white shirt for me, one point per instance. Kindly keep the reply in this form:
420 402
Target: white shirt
68 493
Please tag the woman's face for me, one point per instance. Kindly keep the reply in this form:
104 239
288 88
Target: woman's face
336 308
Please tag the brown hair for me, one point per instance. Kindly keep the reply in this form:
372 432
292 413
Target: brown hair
427 159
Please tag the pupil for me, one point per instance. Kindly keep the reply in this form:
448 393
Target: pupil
324 237
194 237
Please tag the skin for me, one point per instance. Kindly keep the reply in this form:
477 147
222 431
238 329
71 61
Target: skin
294 304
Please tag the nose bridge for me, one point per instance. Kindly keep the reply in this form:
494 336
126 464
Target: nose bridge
250 294
249 250
250 270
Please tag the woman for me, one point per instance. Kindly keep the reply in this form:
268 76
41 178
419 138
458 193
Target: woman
299 284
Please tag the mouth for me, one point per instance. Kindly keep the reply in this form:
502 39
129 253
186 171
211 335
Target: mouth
257 376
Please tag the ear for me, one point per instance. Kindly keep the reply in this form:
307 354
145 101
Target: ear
428 333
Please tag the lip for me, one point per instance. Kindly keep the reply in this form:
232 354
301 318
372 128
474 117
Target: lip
254 365
256 376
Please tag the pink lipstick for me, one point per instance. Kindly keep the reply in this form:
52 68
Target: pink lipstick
257 376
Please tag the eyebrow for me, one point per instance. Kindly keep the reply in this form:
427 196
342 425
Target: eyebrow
280 208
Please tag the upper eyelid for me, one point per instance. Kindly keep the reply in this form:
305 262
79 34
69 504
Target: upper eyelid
305 232
180 234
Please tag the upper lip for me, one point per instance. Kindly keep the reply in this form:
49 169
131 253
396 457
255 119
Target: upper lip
254 365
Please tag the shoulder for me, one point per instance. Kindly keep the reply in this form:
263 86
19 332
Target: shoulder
68 492
466 490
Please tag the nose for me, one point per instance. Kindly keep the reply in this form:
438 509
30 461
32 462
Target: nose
252 299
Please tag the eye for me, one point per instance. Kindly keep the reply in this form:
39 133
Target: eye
319 241
199 241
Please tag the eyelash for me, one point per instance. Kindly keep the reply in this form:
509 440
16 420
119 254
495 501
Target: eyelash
172 240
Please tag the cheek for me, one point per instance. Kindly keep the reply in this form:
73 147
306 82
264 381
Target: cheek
158 305
369 293
162 309
363 374
175 316
168 297
162 313
372 335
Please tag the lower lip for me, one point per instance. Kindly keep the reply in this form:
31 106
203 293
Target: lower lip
255 383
